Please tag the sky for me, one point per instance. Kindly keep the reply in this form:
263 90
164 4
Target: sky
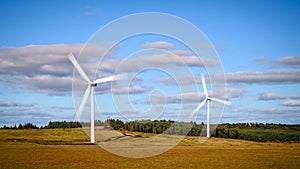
257 44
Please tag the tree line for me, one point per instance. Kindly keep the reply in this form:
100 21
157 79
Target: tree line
158 127
64 124
51 125
21 126
259 132
262 132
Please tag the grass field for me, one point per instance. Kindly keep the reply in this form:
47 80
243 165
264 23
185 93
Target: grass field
69 148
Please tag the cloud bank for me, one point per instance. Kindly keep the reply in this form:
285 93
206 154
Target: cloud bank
274 96
289 61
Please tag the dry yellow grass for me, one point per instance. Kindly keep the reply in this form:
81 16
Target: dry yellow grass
19 149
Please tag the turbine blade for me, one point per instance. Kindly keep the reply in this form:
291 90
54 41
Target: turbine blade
220 101
78 67
83 102
199 107
110 78
204 85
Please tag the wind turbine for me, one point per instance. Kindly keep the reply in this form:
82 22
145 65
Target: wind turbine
207 100
90 91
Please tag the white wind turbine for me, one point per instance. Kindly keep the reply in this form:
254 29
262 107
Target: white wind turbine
90 91
207 100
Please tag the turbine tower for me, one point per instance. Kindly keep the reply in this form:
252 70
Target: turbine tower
90 91
207 100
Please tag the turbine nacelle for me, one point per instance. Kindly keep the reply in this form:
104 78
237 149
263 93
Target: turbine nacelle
218 100
93 84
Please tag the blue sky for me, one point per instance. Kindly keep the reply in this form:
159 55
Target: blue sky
257 42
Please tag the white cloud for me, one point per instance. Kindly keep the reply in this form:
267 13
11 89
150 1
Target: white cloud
270 96
264 115
45 69
157 60
267 77
182 52
119 89
14 104
186 80
51 85
17 115
286 61
291 103
180 98
194 97
54 85
267 110
289 61
250 77
131 90
232 92
50 59
261 60
161 45
274 96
